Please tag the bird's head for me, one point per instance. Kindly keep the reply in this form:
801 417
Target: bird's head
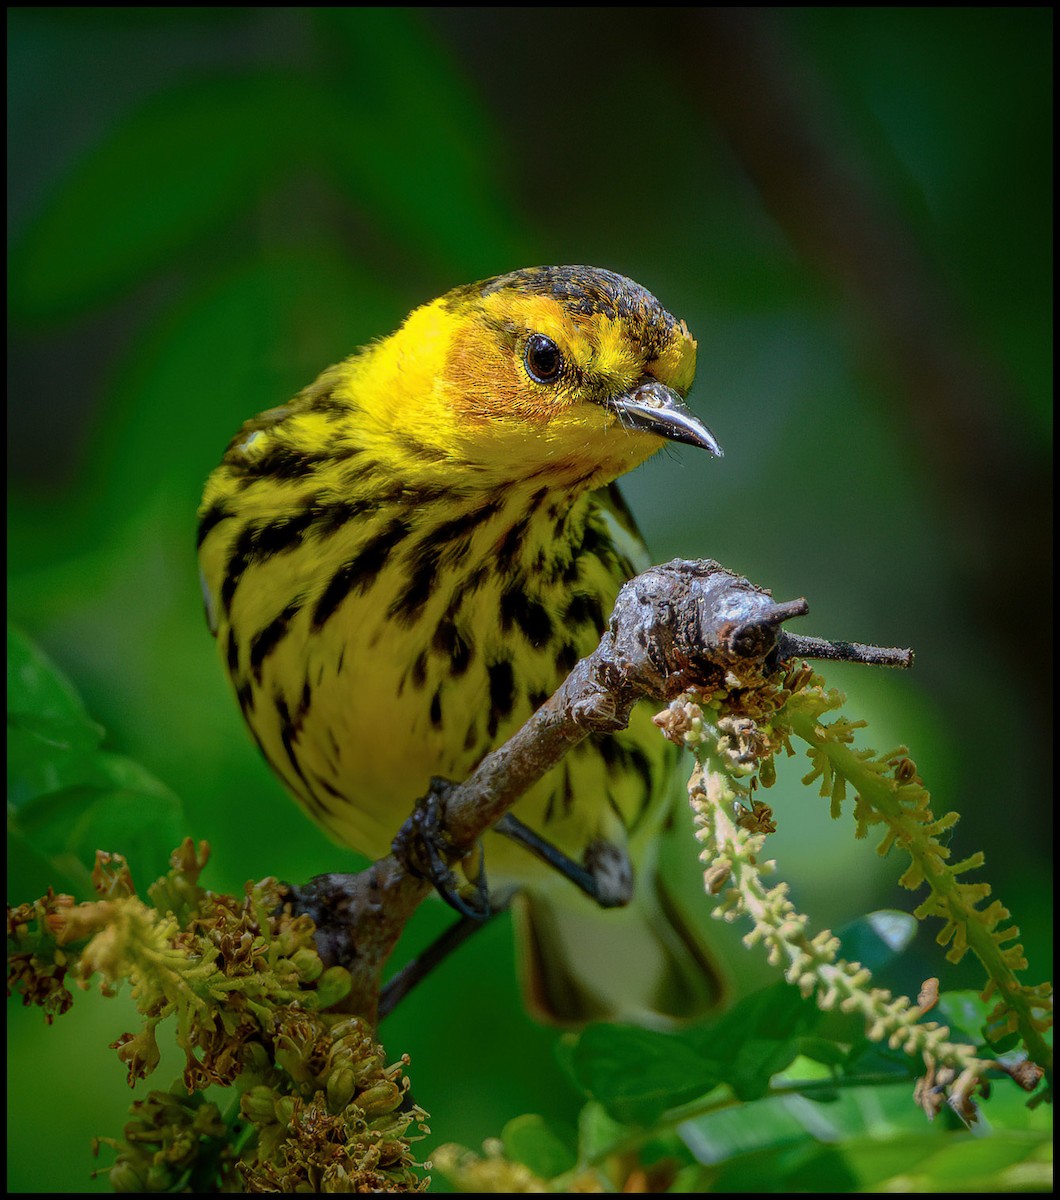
565 375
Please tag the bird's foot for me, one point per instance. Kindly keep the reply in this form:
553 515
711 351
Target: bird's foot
606 875
413 973
424 848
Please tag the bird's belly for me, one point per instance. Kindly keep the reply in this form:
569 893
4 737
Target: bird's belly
383 707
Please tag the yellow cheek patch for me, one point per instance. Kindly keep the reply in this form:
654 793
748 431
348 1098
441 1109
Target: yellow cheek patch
485 382
485 376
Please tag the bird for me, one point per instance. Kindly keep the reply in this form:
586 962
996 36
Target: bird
401 563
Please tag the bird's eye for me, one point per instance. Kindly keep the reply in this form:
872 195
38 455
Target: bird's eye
542 358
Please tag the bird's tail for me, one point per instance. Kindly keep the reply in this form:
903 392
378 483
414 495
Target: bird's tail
642 963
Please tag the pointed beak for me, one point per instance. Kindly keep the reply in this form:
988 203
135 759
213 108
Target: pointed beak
652 407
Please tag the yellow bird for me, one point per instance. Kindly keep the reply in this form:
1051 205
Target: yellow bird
405 560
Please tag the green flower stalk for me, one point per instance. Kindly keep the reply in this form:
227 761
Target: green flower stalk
736 734
810 963
889 792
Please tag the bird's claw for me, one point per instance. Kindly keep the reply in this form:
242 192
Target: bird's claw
424 848
606 875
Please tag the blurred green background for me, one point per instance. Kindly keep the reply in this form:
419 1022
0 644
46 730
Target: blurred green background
851 208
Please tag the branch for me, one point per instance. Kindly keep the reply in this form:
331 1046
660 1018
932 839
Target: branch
679 627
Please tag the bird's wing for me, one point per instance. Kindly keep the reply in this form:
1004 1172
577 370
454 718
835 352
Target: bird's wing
623 528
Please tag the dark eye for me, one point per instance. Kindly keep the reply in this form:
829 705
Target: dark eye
542 359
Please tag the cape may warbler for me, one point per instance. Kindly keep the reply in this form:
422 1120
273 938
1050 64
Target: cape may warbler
404 561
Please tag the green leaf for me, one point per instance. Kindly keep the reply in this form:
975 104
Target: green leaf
31 873
69 826
777 1122
692 1178
51 739
758 1038
46 754
977 1160
877 938
119 772
1008 1109
968 1018
35 685
966 1014
598 1132
822 1050
539 1145
756 1062
760 1125
637 1074
922 1162
67 798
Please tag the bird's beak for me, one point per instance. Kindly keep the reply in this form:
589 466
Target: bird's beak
652 407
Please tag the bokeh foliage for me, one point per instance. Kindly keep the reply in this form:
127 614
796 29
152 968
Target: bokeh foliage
207 206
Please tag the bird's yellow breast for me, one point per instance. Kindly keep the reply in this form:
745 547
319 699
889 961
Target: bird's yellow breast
403 562
407 642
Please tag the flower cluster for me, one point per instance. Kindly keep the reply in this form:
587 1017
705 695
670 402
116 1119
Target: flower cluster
318 1107
736 750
